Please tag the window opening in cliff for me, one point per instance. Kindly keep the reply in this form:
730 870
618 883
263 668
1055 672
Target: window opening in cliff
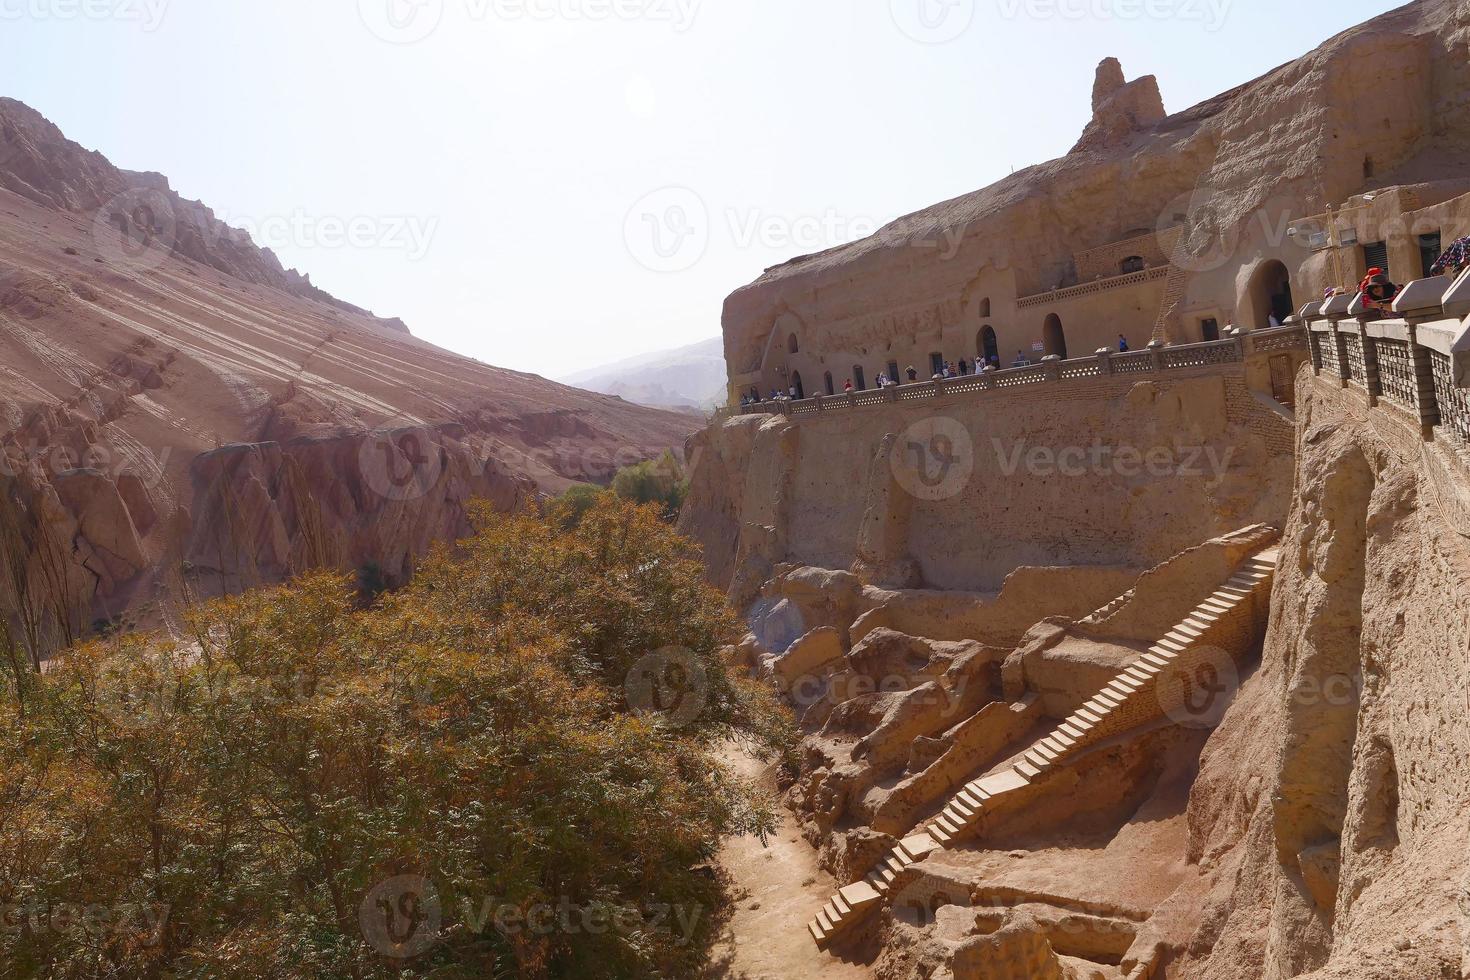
1209 329
858 380
1429 252
893 372
985 307
1270 294
827 382
1053 337
1375 255
797 388
987 346
792 347
936 362
1133 263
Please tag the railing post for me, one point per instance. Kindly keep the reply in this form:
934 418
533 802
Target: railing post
1424 381
890 393
1053 365
1104 361
1156 352
1371 380
1339 344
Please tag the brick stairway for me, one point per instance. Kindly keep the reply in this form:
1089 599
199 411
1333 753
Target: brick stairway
1227 620
1168 309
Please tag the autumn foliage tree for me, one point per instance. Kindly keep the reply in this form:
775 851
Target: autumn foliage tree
506 769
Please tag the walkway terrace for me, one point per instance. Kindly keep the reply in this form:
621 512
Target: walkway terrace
1155 359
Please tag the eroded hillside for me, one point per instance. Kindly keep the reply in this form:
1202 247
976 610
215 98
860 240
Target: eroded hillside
176 411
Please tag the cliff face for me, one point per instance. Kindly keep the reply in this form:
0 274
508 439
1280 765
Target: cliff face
1211 190
1331 808
177 411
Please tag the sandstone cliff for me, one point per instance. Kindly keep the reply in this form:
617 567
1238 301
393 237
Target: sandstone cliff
177 411
1331 807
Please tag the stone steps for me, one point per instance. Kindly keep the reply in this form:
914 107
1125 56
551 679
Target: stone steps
1101 717
849 905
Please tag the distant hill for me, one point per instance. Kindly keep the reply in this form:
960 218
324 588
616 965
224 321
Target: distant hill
686 377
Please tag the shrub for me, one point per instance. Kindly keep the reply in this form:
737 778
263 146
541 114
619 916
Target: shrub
504 769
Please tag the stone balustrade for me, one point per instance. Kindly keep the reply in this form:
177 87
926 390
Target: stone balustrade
1416 361
1156 359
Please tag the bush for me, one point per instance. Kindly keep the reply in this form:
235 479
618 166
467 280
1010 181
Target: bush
661 482
503 769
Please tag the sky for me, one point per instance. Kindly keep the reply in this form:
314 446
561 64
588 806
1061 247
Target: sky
552 185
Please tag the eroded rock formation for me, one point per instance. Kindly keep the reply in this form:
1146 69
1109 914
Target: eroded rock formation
179 412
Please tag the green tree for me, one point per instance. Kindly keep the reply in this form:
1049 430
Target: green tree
504 769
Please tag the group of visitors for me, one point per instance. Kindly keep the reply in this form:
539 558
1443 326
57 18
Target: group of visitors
946 370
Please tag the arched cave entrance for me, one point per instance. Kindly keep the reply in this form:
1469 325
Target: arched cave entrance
1133 263
859 381
797 385
987 346
1270 294
1053 337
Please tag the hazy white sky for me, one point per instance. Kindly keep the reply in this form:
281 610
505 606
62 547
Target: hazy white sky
553 184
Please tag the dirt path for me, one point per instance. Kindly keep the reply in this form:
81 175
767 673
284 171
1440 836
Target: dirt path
781 889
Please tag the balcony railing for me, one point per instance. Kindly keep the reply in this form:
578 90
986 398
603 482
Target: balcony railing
1104 364
1416 360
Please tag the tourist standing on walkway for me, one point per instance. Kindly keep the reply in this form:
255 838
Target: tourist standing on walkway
1122 344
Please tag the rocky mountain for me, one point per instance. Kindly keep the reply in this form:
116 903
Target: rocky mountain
179 413
686 377
38 162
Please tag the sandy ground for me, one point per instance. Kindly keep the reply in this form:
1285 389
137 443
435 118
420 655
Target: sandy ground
780 890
